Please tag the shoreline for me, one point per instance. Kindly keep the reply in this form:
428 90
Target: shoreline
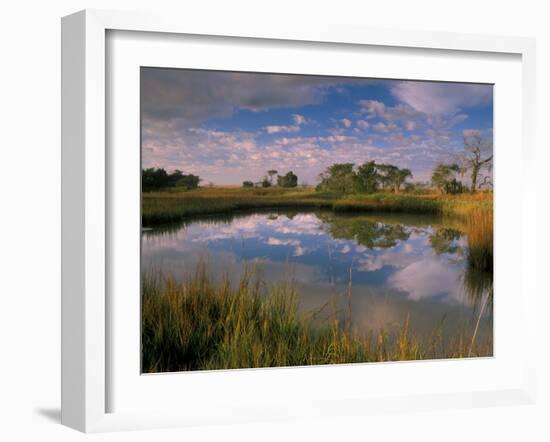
166 207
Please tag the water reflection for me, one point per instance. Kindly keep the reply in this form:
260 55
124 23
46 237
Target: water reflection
444 240
401 265
366 232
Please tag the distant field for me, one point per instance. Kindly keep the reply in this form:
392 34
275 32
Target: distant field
172 205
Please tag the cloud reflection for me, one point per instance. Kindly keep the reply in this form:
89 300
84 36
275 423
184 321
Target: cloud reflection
397 257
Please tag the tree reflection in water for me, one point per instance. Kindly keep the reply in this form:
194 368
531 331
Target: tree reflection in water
368 233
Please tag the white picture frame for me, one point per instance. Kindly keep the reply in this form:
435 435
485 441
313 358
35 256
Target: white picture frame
86 356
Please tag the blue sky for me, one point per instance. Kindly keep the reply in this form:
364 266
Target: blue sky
229 127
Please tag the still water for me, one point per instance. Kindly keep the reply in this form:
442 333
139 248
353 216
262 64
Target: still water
384 267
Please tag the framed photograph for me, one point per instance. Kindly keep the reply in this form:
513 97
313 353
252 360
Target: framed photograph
278 222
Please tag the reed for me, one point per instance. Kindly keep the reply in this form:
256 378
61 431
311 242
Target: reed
198 325
480 239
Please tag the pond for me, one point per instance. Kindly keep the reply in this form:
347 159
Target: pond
384 269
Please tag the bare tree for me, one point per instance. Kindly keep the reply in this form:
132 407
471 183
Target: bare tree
475 148
487 183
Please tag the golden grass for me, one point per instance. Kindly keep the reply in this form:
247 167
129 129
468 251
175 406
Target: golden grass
480 238
197 325
170 206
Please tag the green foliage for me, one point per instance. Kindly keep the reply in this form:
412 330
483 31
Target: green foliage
188 182
266 183
248 184
453 187
288 180
366 232
156 179
444 178
343 178
443 240
340 177
367 178
392 176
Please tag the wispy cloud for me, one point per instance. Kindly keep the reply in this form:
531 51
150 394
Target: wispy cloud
281 129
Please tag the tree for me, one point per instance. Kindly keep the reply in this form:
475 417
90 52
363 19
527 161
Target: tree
386 173
271 174
248 184
453 187
188 182
400 178
156 179
265 182
288 180
392 176
153 179
444 179
475 148
367 178
339 177
487 183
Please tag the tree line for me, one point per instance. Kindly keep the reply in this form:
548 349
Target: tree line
290 179
369 177
158 178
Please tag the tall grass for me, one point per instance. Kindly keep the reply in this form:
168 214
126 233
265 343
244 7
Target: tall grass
169 206
480 239
166 207
198 325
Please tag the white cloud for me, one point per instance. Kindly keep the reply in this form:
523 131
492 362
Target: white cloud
279 129
408 248
282 242
346 122
372 107
380 127
362 124
401 113
457 119
441 98
425 278
299 251
230 157
346 249
299 119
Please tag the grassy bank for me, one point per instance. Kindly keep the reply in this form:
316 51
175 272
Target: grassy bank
170 206
198 325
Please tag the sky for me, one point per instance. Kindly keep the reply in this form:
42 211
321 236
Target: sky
228 127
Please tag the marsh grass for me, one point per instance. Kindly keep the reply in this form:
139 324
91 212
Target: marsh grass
169 206
198 325
480 239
